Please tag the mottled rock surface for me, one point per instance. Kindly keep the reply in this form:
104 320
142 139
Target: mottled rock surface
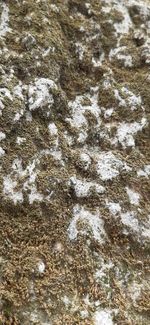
74 162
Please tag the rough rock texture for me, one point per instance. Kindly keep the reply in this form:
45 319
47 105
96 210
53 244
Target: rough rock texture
74 162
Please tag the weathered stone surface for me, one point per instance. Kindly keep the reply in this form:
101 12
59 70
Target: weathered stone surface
74 162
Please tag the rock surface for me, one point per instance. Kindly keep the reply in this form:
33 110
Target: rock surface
74 162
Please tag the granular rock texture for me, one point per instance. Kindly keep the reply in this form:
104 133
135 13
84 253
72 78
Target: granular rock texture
74 162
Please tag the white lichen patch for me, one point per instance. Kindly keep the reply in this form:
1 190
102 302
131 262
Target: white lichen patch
67 301
145 229
103 317
30 184
25 179
28 117
108 79
2 152
108 112
49 50
53 129
103 269
72 303
109 166
68 138
4 94
35 315
40 93
146 232
20 140
121 101
54 8
55 152
35 195
84 188
124 26
41 267
126 131
127 59
145 172
114 208
9 190
127 98
1 107
4 20
58 247
18 91
135 291
120 55
134 197
18 115
2 136
94 223
98 62
129 219
88 102
82 136
86 160
80 50
78 118
133 100
84 314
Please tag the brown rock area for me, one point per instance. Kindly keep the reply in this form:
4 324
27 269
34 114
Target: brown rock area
74 162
